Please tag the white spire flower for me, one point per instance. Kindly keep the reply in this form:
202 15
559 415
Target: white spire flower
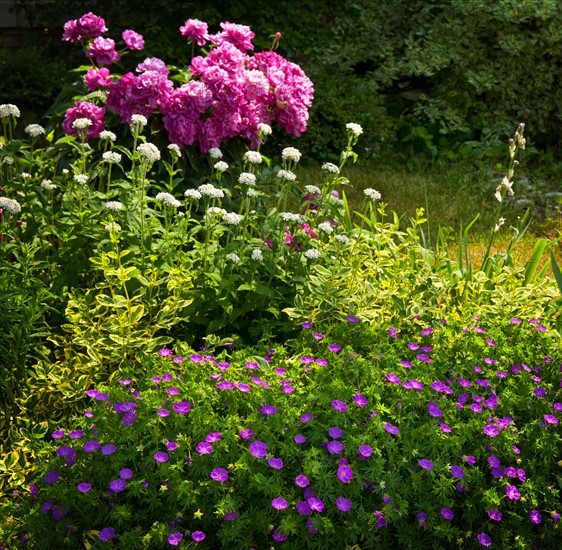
139 120
257 254
82 179
113 226
330 167
48 185
232 218
312 189
234 258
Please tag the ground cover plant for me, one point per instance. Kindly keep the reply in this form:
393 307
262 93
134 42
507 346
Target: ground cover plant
203 347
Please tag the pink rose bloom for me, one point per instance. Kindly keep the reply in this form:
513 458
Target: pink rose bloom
71 32
84 109
97 78
239 35
102 50
195 30
91 26
133 40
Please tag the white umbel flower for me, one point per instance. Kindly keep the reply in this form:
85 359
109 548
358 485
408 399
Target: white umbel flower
312 254
34 130
192 194
330 167
8 109
221 166
355 129
326 227
82 179
108 135
139 120
234 258
286 175
211 191
175 149
215 153
149 151
111 157
342 238
82 123
11 205
290 153
48 185
257 254
251 192
8 161
291 217
247 178
112 226
312 189
372 194
232 218
264 129
114 205
168 199
253 157
216 211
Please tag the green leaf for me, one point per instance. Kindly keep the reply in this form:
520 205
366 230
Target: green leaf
556 271
532 263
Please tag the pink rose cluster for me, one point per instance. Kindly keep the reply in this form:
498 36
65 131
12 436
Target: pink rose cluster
231 92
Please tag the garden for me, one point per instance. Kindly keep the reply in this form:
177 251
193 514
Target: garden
205 342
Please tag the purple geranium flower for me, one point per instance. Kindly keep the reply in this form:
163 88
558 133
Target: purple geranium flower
345 474
302 481
434 409
339 405
484 539
160 457
84 487
106 534
125 473
457 471
268 410
364 451
219 474
174 539
334 347
118 485
447 513
391 429
306 417
512 492
258 449
230 516
198 536
335 447
299 439
279 503
182 407
316 505
343 504
491 430
335 432
495 515
425 464
204 448
52 476
352 319
108 449
91 446
275 463
246 433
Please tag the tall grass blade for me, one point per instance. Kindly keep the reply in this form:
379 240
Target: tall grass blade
556 271
533 262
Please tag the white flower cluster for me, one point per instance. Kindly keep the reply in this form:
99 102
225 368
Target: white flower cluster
501 221
312 189
253 157
326 227
48 185
106 134
149 151
211 191
247 178
312 254
355 129
330 167
192 194
286 175
139 120
251 192
264 129
113 226
82 179
111 157
221 166
290 153
168 199
234 258
25 175
291 217
215 153
11 205
82 123
8 161
342 238
505 184
7 109
372 194
175 149
232 218
257 254
34 130
216 210
114 205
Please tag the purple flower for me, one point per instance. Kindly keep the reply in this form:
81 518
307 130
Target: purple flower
91 446
174 539
316 505
339 405
381 520
393 332
392 378
512 492
230 516
491 430
57 434
118 485
133 39
303 508
484 539
434 409
204 448
182 407
345 474
391 429
352 319
306 417
495 515
279 503
447 513
335 447
163 412
551 419
425 464
76 434
246 433
426 331
535 517
421 517
343 504
125 473
334 347
84 487
165 352
258 449
278 536
335 432
299 439
364 451
52 476
220 475
108 449
198 536
318 336
268 410
539 392
445 427
102 50
161 457
275 463
457 471
107 533
301 481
